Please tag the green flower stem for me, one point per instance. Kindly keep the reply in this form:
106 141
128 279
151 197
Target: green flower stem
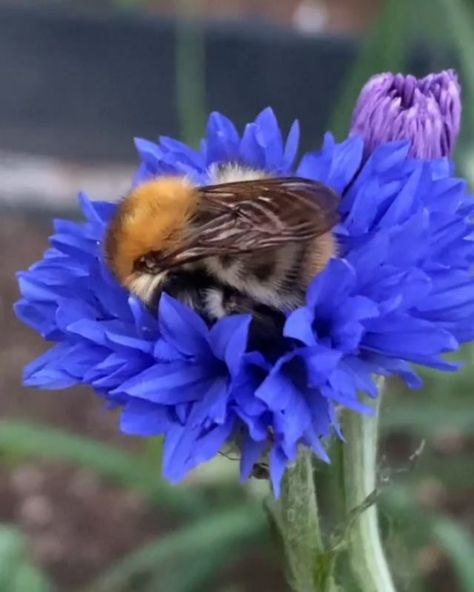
368 562
309 566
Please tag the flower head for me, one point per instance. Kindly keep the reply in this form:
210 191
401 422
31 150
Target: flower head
395 107
400 292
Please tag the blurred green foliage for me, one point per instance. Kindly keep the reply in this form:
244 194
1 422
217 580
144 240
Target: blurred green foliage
219 519
17 573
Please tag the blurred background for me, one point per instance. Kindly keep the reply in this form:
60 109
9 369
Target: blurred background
83 508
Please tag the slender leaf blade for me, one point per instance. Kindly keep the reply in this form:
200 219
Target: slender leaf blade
245 523
39 441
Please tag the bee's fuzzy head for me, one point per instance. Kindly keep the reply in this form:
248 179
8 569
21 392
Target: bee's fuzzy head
148 222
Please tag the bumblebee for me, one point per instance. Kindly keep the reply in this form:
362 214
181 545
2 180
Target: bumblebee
245 243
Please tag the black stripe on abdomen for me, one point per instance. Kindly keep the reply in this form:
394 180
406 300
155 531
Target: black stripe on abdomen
293 274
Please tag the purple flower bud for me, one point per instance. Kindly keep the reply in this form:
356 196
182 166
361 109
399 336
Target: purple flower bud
397 107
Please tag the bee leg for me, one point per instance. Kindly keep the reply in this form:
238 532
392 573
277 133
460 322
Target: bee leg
223 300
266 328
267 323
261 471
237 303
190 288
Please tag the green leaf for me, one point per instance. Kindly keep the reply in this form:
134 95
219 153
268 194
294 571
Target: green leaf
29 578
454 539
201 570
242 525
17 573
42 442
458 545
11 552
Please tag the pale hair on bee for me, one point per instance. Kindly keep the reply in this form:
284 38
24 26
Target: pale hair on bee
245 240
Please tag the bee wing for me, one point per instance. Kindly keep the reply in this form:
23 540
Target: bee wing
267 212
248 216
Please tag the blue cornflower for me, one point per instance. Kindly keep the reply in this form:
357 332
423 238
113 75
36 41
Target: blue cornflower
400 292
261 146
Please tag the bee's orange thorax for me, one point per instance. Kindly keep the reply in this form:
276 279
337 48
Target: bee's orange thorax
151 218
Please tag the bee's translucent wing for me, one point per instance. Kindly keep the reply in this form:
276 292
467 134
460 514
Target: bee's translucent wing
248 216
267 212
